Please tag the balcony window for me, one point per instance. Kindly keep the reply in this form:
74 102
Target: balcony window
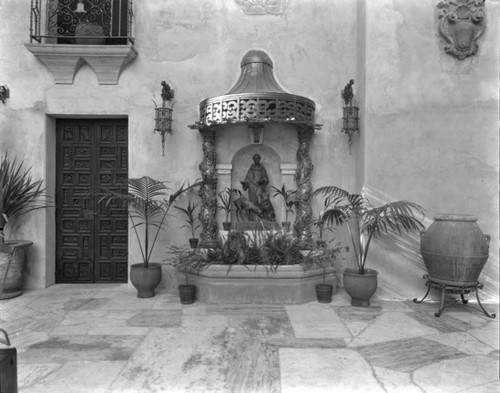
82 22
75 32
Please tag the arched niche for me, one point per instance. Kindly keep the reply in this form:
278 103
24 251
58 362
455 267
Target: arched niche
243 159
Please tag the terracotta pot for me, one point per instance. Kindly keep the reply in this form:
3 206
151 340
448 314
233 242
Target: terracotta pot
226 226
187 293
145 279
360 287
12 263
454 249
324 293
193 243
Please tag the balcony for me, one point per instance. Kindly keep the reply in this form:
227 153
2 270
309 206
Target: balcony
65 34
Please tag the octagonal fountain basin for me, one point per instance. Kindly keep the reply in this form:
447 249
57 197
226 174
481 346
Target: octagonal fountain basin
253 284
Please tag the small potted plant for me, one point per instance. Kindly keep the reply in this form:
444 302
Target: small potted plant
185 262
363 222
149 202
226 205
191 219
19 194
289 201
324 257
322 227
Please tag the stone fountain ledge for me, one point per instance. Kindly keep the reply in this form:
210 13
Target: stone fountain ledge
238 284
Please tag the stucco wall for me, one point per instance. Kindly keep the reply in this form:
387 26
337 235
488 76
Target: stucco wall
196 46
431 121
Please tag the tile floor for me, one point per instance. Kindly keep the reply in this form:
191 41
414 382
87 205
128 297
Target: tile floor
101 338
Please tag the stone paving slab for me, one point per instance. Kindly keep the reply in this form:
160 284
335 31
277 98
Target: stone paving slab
93 338
316 320
325 370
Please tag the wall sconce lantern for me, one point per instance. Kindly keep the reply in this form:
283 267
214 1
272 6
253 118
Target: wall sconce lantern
351 112
4 93
163 114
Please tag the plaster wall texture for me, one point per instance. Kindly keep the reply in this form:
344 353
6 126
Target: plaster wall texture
431 121
196 47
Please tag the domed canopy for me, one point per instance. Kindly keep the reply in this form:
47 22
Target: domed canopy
257 96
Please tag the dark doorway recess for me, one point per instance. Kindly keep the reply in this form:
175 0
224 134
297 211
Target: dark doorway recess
92 240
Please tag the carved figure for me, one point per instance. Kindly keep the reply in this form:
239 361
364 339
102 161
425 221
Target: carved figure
462 23
347 93
166 92
267 208
245 210
256 181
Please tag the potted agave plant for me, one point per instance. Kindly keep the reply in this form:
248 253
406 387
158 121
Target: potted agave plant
289 201
19 194
191 221
363 222
226 205
149 202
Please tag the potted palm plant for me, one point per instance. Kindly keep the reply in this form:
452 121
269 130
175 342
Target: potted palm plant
19 194
226 205
149 202
363 222
191 219
289 201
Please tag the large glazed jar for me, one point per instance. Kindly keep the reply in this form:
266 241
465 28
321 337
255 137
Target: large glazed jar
454 249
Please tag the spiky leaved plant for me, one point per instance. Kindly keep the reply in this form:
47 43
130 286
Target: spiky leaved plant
190 217
19 193
288 198
226 202
364 220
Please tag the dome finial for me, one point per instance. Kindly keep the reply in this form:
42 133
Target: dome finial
256 56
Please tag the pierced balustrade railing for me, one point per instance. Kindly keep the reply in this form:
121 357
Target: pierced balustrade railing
97 22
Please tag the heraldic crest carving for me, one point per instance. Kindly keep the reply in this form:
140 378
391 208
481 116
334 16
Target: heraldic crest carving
461 24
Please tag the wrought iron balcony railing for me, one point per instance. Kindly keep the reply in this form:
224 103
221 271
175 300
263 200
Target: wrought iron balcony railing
87 22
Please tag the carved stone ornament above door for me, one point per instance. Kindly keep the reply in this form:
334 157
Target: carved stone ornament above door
263 7
461 23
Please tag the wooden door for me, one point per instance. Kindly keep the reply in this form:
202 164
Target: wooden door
92 241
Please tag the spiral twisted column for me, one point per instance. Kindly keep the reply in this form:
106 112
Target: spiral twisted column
303 173
208 190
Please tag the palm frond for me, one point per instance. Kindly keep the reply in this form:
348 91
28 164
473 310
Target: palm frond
148 202
398 216
331 191
342 207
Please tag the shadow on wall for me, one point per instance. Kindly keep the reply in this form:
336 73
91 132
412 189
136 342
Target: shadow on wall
398 260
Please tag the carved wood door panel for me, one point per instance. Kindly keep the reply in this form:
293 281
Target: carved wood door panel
92 240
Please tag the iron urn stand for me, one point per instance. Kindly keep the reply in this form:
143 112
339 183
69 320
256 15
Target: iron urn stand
452 289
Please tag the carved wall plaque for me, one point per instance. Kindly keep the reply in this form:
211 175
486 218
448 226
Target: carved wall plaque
461 24
262 7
